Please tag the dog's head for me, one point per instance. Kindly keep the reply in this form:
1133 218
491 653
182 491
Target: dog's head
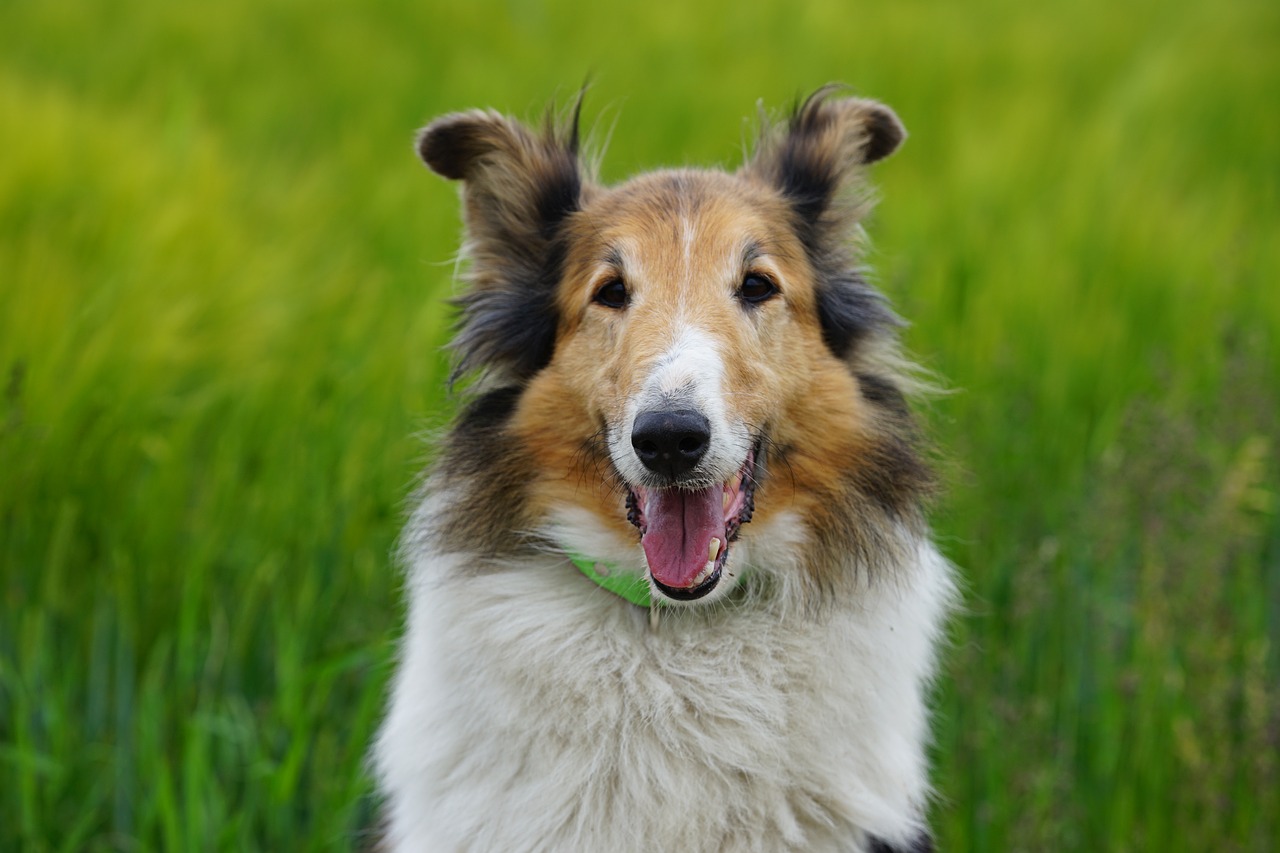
690 349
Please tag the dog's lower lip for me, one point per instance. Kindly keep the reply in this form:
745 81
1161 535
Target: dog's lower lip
689 594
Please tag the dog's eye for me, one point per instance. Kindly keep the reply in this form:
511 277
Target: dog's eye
612 294
756 288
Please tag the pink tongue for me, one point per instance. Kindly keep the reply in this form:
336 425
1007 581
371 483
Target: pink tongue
678 532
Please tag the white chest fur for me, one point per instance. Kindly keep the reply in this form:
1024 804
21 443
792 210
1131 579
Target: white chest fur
535 711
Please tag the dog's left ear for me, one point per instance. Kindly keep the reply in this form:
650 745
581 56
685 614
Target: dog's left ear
815 162
824 145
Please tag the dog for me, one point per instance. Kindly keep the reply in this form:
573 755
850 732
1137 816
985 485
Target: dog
670 582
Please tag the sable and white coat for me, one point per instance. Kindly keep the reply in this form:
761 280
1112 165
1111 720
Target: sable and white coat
686 379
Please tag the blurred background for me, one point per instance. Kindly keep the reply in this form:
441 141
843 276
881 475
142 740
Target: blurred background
222 284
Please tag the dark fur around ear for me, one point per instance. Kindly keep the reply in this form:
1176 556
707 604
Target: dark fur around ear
848 307
518 189
814 161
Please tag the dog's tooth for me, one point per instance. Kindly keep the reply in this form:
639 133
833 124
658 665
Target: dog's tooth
713 550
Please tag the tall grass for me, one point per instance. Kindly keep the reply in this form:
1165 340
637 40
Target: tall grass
221 288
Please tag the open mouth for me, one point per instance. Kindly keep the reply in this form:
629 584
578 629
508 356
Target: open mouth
686 533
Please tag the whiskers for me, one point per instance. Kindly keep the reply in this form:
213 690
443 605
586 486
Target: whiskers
594 466
770 451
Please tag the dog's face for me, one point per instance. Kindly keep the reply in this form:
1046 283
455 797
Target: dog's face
677 340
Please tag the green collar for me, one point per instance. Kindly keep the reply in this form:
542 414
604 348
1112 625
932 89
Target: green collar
632 588
628 586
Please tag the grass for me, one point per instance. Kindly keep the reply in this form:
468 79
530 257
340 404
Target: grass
221 286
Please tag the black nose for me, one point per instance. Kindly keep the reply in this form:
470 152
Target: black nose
671 443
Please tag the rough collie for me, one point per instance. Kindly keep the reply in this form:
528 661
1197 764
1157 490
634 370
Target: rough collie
670 585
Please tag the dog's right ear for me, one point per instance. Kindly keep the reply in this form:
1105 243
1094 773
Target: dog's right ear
518 190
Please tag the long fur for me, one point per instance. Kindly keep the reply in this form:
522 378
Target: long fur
786 710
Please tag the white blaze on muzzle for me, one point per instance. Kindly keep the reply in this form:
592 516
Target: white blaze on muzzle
687 376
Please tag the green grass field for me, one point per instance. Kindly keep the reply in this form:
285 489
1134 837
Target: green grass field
221 284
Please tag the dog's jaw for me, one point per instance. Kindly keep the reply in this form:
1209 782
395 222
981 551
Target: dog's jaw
687 533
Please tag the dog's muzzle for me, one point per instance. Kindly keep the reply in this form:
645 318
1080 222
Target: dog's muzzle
686 527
